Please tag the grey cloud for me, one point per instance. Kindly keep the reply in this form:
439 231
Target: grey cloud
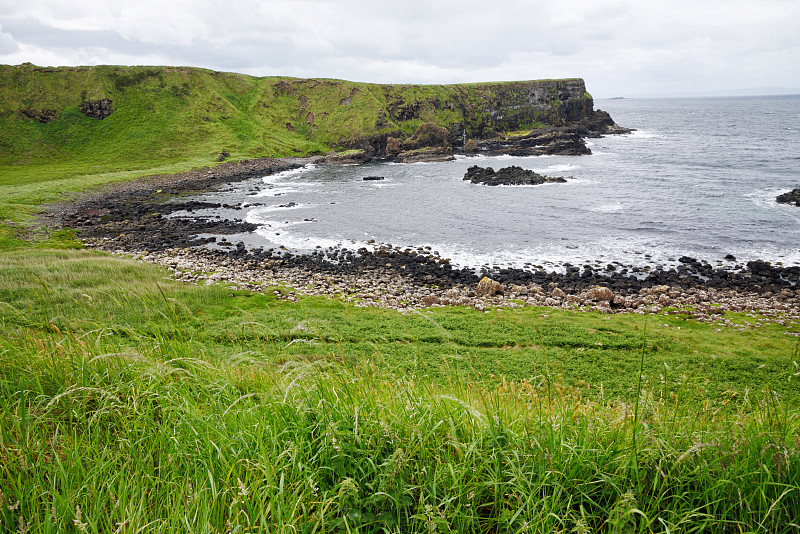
7 43
614 44
33 32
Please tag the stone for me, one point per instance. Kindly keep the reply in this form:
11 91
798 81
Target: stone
507 176
430 300
97 109
426 154
42 115
792 197
600 293
488 287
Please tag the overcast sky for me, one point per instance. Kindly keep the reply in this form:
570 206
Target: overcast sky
620 47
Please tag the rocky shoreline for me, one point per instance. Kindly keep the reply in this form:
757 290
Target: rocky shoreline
130 218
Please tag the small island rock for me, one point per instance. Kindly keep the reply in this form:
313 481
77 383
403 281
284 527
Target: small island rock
507 176
792 197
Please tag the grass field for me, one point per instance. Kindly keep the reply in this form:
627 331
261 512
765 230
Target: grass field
135 403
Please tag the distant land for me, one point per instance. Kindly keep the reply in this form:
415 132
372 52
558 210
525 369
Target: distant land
751 91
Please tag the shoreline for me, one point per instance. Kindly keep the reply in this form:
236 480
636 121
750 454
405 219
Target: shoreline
129 218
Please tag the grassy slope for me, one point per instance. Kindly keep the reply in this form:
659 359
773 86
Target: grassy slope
128 398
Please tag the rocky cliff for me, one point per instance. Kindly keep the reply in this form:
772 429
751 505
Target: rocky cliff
109 116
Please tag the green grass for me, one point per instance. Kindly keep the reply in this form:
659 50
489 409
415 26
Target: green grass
131 402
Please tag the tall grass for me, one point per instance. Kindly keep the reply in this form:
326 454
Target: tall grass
129 403
173 440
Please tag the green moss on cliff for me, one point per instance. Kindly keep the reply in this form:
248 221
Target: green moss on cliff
177 117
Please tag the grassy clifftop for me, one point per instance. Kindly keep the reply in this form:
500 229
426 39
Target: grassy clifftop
163 116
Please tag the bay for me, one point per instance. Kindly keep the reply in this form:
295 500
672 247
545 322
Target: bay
699 177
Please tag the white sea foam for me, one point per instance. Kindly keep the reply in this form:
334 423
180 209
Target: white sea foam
643 134
291 173
563 167
303 243
608 208
261 211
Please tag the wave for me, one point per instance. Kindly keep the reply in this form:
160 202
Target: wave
291 173
608 208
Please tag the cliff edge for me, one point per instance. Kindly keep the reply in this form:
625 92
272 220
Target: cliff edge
109 118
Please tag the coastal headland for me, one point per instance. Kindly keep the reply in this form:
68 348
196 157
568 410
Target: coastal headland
106 118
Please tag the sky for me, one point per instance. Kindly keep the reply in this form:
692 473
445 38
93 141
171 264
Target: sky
619 47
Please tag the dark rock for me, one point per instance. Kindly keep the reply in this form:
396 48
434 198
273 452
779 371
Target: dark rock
42 115
373 178
546 141
507 176
97 109
223 155
600 122
792 197
458 134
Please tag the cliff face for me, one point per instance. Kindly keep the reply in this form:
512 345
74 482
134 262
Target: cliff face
115 117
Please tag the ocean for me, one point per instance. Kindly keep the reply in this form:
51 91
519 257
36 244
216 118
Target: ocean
698 177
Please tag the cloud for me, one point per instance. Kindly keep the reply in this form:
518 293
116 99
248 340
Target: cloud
8 45
617 45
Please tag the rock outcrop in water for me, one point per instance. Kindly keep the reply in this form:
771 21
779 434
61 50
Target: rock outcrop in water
507 176
792 197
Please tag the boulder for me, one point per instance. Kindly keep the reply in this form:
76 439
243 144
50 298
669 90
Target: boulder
600 293
792 197
394 146
507 176
470 146
488 287
348 157
97 109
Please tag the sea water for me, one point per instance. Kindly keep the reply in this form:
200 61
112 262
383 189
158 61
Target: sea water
698 177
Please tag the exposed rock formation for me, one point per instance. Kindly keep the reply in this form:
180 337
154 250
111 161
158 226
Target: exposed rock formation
551 141
428 135
792 197
42 115
426 154
527 117
97 109
428 143
507 176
